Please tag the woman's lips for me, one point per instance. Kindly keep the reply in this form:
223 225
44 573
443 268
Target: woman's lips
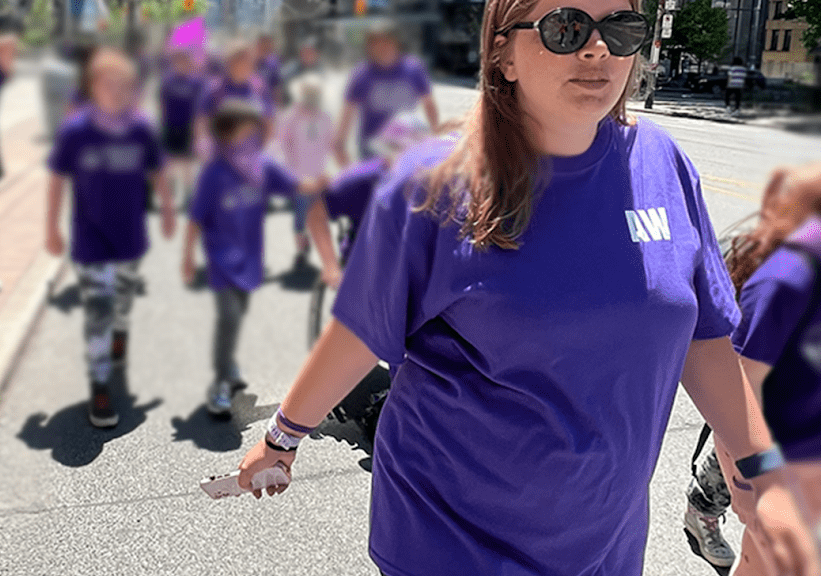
590 83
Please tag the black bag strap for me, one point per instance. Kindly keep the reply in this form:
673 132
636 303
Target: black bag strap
702 440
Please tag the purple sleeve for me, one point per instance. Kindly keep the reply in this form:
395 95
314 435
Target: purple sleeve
280 182
386 278
351 190
718 314
419 77
61 158
203 198
772 303
358 85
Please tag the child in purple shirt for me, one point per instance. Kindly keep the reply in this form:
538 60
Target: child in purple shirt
387 83
228 210
108 152
239 81
180 92
269 67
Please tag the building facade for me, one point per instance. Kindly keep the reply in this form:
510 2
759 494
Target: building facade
746 19
784 54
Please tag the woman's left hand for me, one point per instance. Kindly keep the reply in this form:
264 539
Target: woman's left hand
791 541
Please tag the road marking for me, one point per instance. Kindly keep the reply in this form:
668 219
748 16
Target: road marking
739 183
730 193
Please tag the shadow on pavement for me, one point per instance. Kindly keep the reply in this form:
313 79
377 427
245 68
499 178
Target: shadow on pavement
222 435
694 547
69 297
73 441
348 432
300 279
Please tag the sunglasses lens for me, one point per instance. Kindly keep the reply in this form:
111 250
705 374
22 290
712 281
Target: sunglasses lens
624 33
565 30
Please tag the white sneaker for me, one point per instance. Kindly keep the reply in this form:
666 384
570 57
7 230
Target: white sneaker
711 542
219 398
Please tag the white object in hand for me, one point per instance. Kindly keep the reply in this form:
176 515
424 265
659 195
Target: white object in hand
228 484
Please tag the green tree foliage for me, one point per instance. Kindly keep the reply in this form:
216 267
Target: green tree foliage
701 30
810 11
38 24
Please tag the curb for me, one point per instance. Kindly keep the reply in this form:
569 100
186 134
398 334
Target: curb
690 115
25 309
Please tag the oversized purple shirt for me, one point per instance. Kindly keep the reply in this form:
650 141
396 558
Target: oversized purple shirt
534 385
109 175
253 90
773 302
231 213
179 96
382 92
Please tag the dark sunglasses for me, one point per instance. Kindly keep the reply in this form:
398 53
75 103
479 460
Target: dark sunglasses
567 30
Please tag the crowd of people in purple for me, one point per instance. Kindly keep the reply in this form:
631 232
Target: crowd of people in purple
540 275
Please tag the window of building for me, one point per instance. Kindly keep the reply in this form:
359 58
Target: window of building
774 40
779 10
787 40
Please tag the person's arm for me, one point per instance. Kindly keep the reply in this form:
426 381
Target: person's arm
715 381
163 190
431 112
54 204
337 364
320 231
340 151
192 234
312 186
8 52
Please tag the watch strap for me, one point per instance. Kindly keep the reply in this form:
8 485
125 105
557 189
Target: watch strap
761 463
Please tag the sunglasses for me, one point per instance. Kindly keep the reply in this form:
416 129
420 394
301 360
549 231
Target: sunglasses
567 30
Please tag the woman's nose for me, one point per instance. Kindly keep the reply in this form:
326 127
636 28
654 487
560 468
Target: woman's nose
595 49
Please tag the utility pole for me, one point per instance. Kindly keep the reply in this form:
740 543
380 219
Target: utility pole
655 53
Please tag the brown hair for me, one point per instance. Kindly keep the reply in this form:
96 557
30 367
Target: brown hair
494 159
784 208
231 115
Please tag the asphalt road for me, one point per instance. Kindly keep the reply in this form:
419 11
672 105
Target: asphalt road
79 501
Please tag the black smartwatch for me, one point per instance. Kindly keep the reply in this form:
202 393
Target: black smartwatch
761 463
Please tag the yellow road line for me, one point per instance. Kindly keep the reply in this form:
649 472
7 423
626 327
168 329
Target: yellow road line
730 193
739 183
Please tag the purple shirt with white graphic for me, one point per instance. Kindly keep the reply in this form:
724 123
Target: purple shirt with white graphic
109 177
231 213
534 385
773 301
382 92
252 90
179 95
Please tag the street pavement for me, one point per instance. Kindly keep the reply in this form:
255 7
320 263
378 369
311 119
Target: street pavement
80 501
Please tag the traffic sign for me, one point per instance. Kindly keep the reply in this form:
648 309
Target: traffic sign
670 5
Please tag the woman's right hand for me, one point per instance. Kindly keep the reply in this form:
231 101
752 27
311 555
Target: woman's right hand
259 458
332 276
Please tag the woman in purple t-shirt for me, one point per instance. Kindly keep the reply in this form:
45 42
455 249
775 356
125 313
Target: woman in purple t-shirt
542 284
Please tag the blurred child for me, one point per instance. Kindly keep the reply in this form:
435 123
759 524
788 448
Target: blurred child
239 81
307 138
108 152
228 209
180 90
269 67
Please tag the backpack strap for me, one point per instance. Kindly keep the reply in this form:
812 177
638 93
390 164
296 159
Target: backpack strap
702 440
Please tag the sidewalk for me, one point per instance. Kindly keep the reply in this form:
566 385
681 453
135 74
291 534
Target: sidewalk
26 270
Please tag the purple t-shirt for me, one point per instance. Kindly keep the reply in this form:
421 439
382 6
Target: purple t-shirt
350 193
269 70
179 95
773 302
109 177
382 92
534 385
253 90
231 213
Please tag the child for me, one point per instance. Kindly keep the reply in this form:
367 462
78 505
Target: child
307 136
268 66
108 152
180 91
228 209
239 81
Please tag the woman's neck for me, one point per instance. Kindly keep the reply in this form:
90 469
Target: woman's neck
563 140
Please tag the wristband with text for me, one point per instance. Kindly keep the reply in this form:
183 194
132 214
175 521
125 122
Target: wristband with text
761 463
280 437
293 426
276 447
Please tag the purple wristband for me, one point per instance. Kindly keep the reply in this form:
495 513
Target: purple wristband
291 425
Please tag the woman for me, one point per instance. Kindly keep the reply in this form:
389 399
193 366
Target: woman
540 319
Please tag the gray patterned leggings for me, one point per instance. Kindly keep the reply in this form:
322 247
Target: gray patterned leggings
708 492
107 293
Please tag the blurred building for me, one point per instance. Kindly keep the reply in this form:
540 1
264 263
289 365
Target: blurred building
747 19
784 53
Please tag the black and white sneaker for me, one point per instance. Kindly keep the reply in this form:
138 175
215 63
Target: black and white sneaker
218 399
101 410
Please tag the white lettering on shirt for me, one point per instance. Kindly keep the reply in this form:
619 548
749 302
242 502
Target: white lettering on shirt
648 225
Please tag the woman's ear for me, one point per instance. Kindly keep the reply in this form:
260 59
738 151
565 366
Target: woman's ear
506 62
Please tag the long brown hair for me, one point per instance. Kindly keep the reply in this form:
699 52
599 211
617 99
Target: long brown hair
784 208
494 161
